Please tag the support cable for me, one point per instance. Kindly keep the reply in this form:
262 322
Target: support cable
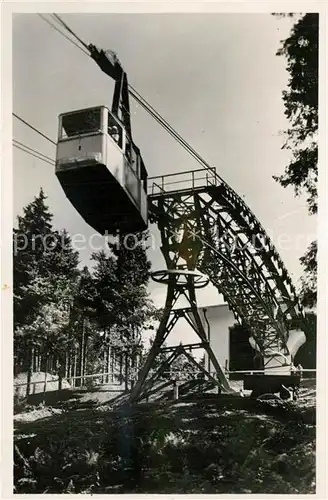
157 117
59 31
143 102
70 31
33 154
35 129
135 94
22 145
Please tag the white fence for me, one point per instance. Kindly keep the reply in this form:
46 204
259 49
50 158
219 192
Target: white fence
71 381
177 375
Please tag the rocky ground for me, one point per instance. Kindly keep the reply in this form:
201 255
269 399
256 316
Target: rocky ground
202 443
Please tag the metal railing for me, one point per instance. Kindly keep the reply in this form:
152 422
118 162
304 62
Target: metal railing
182 181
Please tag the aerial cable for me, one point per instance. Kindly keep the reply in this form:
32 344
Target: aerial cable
135 94
59 31
35 129
149 109
139 99
153 113
171 131
167 128
70 31
142 101
15 142
32 154
47 159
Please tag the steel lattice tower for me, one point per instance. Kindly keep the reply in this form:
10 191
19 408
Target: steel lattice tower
223 241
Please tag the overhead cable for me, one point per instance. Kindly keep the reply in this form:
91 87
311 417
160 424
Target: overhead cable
33 154
34 128
31 149
142 101
70 31
59 31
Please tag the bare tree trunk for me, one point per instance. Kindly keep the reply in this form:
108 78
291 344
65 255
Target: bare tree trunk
74 369
61 370
108 363
105 362
81 355
121 367
112 364
34 359
85 354
134 365
29 371
126 371
71 362
104 367
45 386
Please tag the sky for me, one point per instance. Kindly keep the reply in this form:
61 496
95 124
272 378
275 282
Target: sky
214 77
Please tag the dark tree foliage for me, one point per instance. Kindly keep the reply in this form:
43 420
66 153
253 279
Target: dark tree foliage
105 284
85 299
28 251
301 107
132 273
301 50
75 320
45 274
122 304
44 262
309 280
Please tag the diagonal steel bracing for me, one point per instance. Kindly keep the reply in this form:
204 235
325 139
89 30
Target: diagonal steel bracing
223 239
179 282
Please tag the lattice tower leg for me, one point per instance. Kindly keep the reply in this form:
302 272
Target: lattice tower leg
158 342
173 292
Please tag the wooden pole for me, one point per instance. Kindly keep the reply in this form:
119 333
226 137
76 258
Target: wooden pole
126 370
175 390
29 371
82 354
44 388
75 368
108 364
85 354
121 367
112 364
103 378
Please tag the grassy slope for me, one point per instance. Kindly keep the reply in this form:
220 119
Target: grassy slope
212 445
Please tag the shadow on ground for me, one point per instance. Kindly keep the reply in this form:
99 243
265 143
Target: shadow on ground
199 444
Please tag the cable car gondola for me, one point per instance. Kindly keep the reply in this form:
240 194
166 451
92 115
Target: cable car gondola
97 163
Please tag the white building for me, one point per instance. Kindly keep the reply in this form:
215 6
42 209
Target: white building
219 321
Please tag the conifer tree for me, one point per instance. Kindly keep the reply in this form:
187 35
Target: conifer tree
123 305
45 274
